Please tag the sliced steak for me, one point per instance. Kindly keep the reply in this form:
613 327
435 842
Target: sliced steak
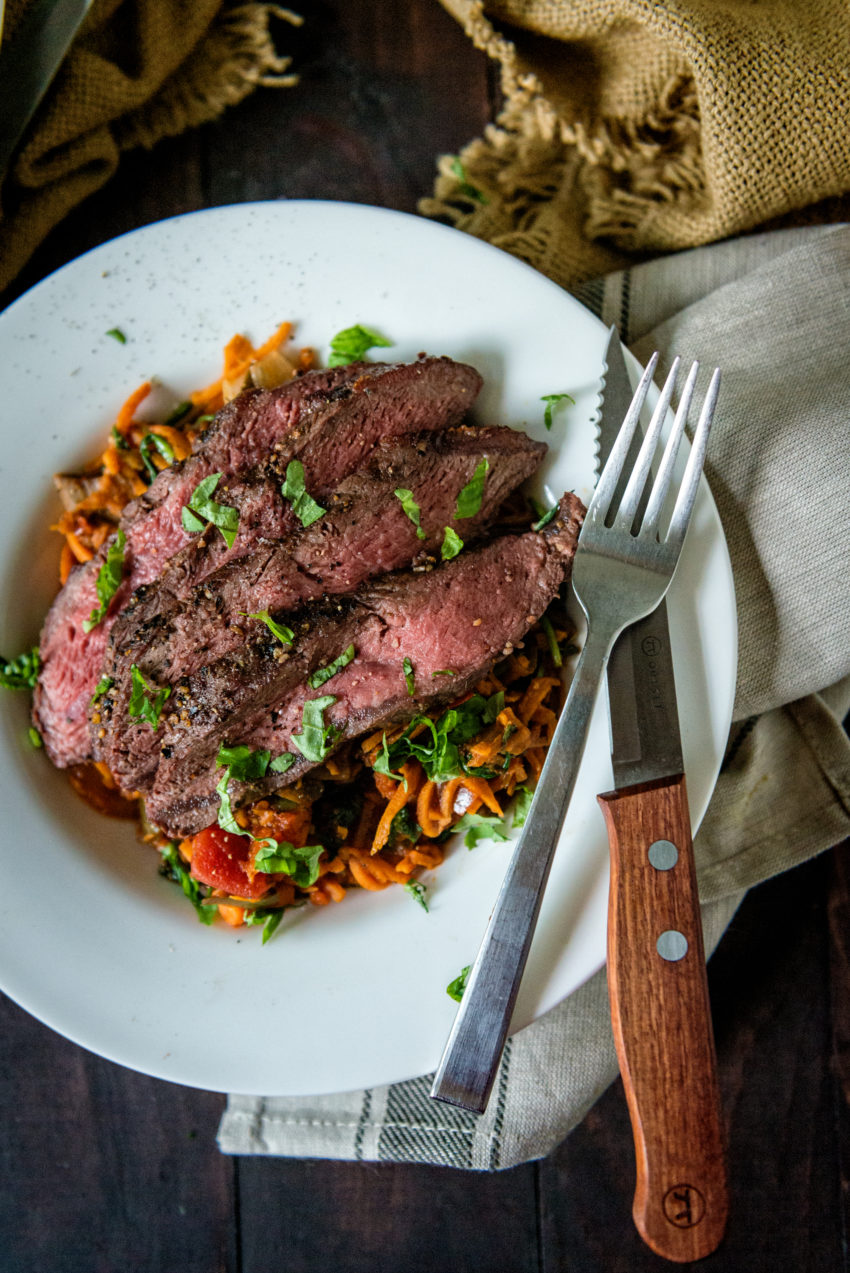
330 420
461 616
364 532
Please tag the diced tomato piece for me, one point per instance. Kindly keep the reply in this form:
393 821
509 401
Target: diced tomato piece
221 859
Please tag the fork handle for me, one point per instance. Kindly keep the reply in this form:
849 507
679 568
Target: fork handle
662 1020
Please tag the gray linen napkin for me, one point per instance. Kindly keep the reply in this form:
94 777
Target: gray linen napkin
773 311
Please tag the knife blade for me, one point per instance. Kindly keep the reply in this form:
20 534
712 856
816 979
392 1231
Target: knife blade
657 981
28 62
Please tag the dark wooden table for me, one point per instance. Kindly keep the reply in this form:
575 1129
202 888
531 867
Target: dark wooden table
104 1170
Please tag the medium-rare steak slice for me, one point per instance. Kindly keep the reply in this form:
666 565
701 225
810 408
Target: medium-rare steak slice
460 617
330 420
365 531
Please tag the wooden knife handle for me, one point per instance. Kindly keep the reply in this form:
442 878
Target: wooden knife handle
662 1020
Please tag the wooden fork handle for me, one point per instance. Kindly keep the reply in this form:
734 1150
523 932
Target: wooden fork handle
662 1021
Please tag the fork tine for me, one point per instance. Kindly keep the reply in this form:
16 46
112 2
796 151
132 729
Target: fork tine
637 481
693 470
607 484
661 486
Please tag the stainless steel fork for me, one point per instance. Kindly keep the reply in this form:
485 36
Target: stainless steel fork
623 566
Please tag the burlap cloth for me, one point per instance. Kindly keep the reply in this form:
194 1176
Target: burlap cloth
631 128
139 70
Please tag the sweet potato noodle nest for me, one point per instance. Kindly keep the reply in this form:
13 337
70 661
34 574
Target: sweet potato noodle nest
378 810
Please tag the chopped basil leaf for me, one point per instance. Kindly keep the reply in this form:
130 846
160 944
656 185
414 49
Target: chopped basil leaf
226 519
470 497
411 508
281 763
546 518
352 343
119 441
444 672
245 764
162 445
475 827
409 676
466 188
437 747
20 673
108 581
105 683
404 826
174 868
318 739
302 865
204 419
456 988
522 804
182 409
117 334
554 649
285 635
452 544
35 737
325 673
418 892
551 400
271 925
294 489
143 706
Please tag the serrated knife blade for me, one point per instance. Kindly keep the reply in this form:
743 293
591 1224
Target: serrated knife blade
657 982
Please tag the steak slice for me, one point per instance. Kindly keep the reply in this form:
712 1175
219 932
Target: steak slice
364 532
330 420
461 616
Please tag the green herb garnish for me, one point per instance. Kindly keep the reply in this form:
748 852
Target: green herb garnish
302 865
117 334
438 746
294 489
108 581
105 683
119 441
446 671
475 826
162 445
551 400
285 635
418 892
182 409
174 868
470 497
466 187
202 510
411 508
409 677
353 343
551 641
281 763
20 673
452 544
546 518
325 673
522 804
456 988
35 737
318 739
141 703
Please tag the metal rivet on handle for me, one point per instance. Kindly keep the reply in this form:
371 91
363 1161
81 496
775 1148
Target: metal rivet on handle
672 945
663 855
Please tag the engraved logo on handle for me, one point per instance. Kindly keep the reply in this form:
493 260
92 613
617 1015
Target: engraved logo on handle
684 1206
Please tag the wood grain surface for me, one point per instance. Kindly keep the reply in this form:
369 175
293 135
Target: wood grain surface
106 1171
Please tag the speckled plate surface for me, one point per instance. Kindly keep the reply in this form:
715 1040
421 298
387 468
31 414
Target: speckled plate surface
92 940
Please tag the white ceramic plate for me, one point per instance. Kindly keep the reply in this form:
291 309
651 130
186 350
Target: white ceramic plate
92 940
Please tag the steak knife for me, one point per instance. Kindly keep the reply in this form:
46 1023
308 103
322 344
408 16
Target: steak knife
29 59
657 980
